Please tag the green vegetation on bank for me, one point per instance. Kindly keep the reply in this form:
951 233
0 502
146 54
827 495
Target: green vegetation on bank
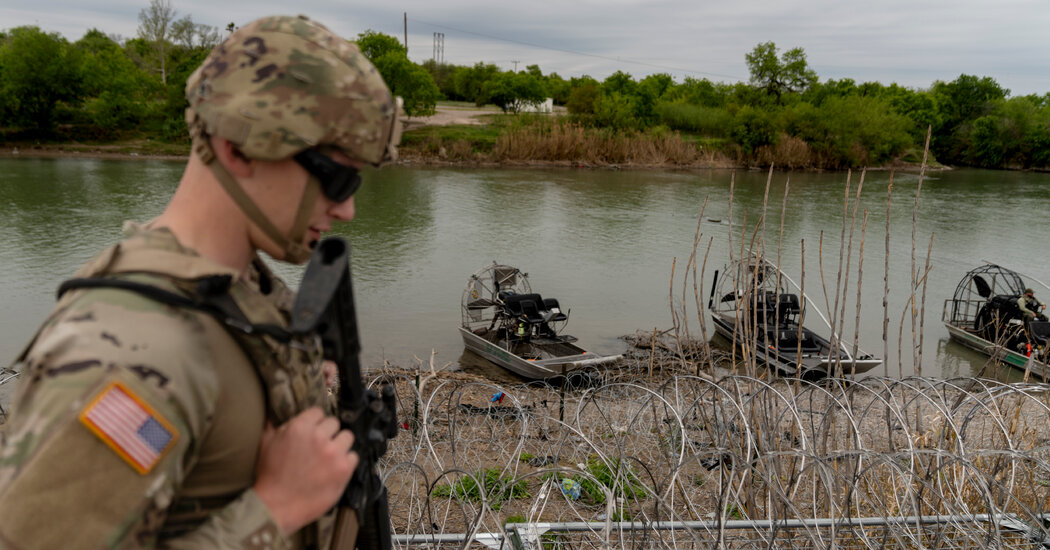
102 89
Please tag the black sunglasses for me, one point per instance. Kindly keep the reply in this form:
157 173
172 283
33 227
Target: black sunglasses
338 181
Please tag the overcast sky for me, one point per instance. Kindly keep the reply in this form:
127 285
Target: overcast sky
910 42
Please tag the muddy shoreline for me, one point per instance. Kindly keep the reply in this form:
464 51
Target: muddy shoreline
410 158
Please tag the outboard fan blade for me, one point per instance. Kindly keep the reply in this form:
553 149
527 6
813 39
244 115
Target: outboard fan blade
982 286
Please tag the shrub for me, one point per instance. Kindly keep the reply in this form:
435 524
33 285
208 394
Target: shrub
709 121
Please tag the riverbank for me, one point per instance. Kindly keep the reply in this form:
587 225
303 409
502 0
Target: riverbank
457 135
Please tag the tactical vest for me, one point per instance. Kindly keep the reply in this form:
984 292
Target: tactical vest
253 312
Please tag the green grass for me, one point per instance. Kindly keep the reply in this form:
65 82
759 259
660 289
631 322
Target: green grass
627 485
497 489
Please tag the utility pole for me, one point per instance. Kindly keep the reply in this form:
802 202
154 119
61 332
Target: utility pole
515 62
406 34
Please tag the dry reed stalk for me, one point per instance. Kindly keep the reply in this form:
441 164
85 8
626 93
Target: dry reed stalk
752 292
674 312
834 313
802 307
762 255
908 306
703 324
886 290
762 220
922 312
696 292
780 249
820 271
729 236
845 282
914 227
860 279
652 352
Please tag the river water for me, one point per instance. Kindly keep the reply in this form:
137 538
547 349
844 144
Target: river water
602 242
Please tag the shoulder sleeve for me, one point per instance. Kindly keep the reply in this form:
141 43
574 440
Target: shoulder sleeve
114 397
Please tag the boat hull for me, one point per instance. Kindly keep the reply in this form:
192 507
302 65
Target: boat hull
991 349
813 366
567 356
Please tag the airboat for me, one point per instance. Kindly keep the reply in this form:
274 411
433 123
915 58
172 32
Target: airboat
983 314
757 307
507 323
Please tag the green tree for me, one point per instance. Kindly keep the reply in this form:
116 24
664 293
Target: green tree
754 127
788 73
37 70
960 103
444 76
583 95
376 44
851 131
512 91
470 81
410 81
558 88
615 110
621 83
413 83
168 118
649 91
698 92
115 91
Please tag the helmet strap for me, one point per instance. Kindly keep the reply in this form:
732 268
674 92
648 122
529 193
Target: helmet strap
294 251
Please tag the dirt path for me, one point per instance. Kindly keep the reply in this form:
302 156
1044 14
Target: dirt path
452 114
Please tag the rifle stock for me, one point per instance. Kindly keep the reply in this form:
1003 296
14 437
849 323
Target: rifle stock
325 306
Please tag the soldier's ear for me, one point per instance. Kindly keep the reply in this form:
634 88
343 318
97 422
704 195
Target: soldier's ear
231 157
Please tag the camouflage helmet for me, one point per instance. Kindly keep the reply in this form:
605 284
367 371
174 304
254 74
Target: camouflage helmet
282 84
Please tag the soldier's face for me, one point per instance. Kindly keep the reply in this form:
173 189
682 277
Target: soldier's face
279 194
326 210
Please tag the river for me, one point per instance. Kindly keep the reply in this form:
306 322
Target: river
603 242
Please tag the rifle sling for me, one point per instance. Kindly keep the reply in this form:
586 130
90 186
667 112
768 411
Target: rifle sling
217 304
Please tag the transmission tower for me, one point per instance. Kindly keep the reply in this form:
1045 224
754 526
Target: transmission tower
439 47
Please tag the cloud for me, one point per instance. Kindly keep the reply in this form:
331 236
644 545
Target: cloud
911 43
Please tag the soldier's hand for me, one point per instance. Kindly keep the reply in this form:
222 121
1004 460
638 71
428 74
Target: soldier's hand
303 467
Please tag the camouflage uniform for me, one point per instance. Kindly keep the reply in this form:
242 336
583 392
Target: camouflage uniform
138 422
190 372
1029 306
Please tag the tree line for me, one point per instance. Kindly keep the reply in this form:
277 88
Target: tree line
104 87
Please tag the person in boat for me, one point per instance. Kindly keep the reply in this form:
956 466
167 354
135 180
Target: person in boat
143 422
1030 306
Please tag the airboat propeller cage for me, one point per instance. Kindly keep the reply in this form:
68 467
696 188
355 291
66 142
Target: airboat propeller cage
758 308
516 328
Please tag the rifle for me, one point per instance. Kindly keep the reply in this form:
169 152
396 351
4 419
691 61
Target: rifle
325 306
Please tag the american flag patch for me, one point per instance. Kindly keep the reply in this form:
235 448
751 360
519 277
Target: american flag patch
129 426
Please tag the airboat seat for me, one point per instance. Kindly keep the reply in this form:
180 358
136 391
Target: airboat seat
524 306
551 305
788 342
763 305
788 306
530 312
1040 330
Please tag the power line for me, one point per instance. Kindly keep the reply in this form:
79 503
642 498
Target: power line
573 52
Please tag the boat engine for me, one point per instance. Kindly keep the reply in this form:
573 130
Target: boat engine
1000 320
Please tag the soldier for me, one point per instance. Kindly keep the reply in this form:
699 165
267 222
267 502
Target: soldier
163 403
1030 306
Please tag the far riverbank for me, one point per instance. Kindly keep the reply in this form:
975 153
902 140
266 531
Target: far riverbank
456 136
